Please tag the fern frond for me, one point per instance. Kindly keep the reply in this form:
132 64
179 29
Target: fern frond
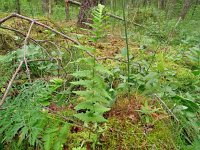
84 73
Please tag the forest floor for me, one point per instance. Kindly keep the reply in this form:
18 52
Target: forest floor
139 123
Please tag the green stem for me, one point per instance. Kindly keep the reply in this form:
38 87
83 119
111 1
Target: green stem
127 49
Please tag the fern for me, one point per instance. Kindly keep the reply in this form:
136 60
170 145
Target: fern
194 55
95 97
98 26
25 119
55 136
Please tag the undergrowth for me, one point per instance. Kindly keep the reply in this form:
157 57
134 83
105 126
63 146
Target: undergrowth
78 100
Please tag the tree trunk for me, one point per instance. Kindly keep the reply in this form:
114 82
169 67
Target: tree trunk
185 9
161 4
85 11
18 10
146 2
103 2
50 2
67 9
45 6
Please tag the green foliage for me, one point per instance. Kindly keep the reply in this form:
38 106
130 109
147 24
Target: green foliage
121 133
95 98
6 68
147 111
55 136
166 62
98 26
25 117
194 56
188 110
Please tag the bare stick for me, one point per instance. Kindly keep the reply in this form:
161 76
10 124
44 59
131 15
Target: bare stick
75 2
166 107
38 23
17 70
11 82
25 50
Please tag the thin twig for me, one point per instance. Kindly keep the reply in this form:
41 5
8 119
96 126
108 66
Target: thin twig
25 50
18 68
10 83
166 107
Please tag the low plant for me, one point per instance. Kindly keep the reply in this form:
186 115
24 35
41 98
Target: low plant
25 117
94 96
147 112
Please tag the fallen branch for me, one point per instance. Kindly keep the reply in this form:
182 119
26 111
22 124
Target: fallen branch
38 23
18 68
74 2
166 107
25 50
11 82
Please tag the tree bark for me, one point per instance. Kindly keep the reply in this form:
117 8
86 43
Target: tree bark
67 4
146 2
185 9
45 6
18 9
50 3
85 12
103 2
161 4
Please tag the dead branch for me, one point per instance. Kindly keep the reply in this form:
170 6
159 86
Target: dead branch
37 23
11 82
17 70
25 50
74 2
166 107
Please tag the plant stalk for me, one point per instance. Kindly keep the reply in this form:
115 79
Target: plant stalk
127 49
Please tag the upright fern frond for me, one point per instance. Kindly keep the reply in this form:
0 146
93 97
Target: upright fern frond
95 97
97 25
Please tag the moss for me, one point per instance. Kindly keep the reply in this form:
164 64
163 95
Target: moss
185 76
7 41
126 135
82 138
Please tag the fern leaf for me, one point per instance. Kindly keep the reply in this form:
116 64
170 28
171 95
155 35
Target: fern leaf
47 141
84 73
90 117
86 83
